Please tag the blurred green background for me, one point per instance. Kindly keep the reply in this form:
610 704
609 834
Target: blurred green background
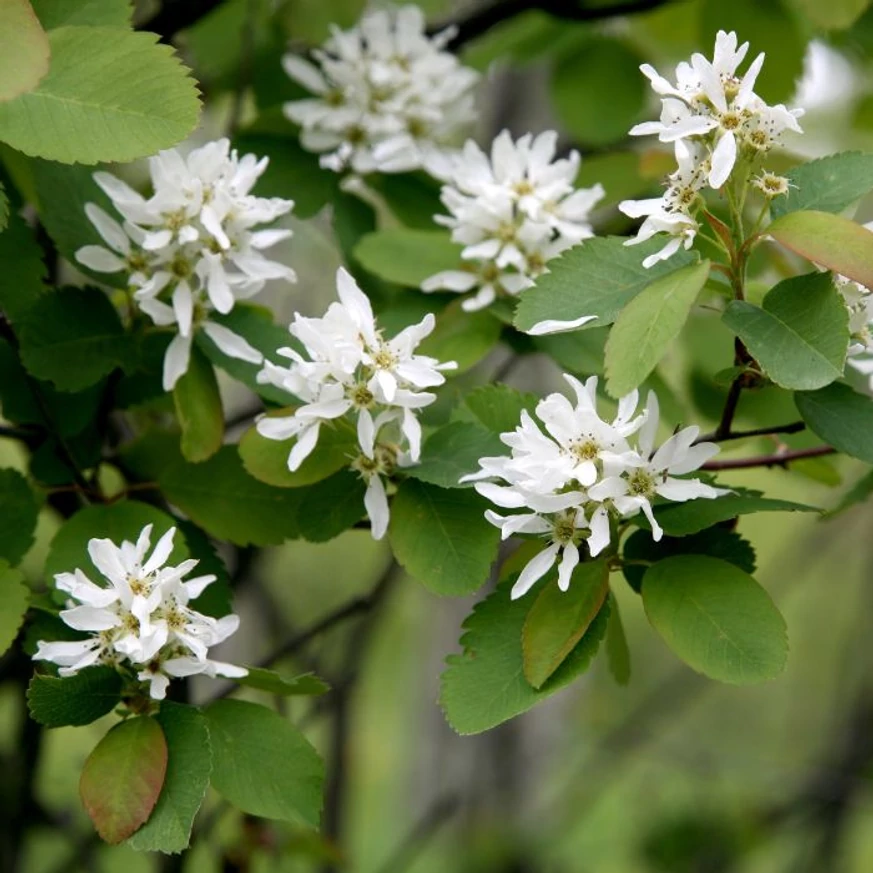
671 774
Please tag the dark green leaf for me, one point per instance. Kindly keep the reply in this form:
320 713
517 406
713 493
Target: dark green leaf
441 537
123 776
617 651
858 493
454 451
801 334
14 596
485 685
717 618
22 279
841 417
75 700
828 184
262 764
19 509
499 407
558 620
198 409
57 13
189 763
462 337
331 506
599 277
268 680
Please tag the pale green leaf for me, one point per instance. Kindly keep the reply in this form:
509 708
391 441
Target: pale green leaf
440 536
24 49
716 618
599 277
841 417
110 95
14 596
221 497
198 409
189 763
262 764
407 256
267 459
485 685
828 184
830 240
307 684
648 325
832 14
74 700
19 509
123 776
558 620
801 333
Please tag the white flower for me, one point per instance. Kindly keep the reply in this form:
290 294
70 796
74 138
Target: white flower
141 618
387 97
191 248
572 476
513 211
354 371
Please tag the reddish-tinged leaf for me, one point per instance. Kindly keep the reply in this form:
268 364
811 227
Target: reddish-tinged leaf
830 240
123 777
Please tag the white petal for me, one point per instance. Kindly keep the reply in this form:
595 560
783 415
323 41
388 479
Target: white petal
569 560
536 568
366 432
306 442
723 159
551 325
99 260
376 504
176 360
232 344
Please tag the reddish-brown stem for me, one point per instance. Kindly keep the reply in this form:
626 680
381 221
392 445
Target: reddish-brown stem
778 459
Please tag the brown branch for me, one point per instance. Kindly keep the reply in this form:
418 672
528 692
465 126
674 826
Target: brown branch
778 459
794 427
482 20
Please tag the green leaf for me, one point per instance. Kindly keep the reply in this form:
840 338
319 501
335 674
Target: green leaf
123 520
833 15
441 537
19 510
485 685
123 776
254 324
24 49
462 337
600 65
858 493
217 599
262 764
413 198
189 763
406 256
770 28
22 279
73 337
599 277
841 417
219 496
15 596
4 207
716 542
617 651
74 700
681 519
499 407
331 506
198 409
579 351
716 618
293 173
648 325
801 334
267 459
830 240
307 684
559 619
454 451
95 104
62 192
57 13
828 184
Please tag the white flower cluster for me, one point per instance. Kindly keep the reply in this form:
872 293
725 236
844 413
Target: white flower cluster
717 123
513 212
191 248
141 618
572 480
354 371
387 96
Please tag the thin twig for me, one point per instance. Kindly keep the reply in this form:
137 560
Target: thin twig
778 459
793 427
16 433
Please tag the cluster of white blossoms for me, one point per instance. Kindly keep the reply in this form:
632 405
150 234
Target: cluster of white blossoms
573 479
387 96
355 372
141 620
191 248
717 124
513 212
